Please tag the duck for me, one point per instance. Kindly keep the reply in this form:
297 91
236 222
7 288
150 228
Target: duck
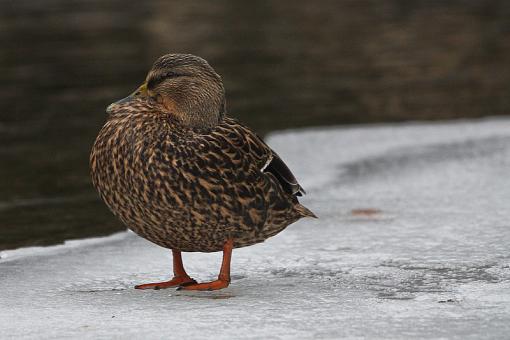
178 171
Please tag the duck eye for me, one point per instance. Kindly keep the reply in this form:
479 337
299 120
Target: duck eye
161 77
170 75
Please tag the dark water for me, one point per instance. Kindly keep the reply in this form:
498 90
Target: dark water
285 64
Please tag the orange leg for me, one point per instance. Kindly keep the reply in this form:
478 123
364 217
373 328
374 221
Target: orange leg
224 276
181 278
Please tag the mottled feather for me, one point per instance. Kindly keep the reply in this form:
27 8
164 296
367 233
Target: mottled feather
190 188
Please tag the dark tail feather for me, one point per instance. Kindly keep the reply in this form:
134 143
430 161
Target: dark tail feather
304 211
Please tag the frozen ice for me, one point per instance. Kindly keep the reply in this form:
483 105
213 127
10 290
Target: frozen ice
412 241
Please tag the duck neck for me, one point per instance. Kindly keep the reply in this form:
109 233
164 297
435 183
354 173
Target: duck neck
202 114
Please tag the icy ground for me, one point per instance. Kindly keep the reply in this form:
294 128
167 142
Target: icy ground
413 241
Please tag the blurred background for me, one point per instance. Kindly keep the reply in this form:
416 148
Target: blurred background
285 64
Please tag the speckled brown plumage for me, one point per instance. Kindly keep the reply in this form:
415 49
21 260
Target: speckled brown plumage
190 185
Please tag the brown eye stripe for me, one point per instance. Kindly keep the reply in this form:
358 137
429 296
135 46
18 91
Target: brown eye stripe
159 78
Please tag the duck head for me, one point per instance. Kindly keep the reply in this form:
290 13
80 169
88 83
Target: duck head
185 86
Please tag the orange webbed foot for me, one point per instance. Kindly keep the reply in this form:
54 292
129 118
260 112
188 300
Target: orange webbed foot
224 276
181 281
213 285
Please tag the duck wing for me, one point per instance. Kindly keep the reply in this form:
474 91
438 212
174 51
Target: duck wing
282 173
267 160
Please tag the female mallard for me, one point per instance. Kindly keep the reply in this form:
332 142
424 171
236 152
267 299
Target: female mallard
177 171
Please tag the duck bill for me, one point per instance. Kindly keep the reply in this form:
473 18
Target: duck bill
139 92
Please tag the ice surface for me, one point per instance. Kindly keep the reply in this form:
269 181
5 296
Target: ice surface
412 242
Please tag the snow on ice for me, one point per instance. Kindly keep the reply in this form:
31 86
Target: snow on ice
412 240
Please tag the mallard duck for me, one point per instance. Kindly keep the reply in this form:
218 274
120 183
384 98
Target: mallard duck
176 170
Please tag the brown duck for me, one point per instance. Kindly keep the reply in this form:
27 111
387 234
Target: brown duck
175 169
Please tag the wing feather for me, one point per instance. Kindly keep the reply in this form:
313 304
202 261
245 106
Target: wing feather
268 161
284 176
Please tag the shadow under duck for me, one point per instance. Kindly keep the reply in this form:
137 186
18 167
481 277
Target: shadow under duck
175 169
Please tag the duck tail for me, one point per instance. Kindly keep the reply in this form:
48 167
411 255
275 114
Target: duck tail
304 211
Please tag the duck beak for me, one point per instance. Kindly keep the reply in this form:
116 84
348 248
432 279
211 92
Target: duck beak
139 92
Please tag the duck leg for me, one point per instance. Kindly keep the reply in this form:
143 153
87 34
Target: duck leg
224 276
181 278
